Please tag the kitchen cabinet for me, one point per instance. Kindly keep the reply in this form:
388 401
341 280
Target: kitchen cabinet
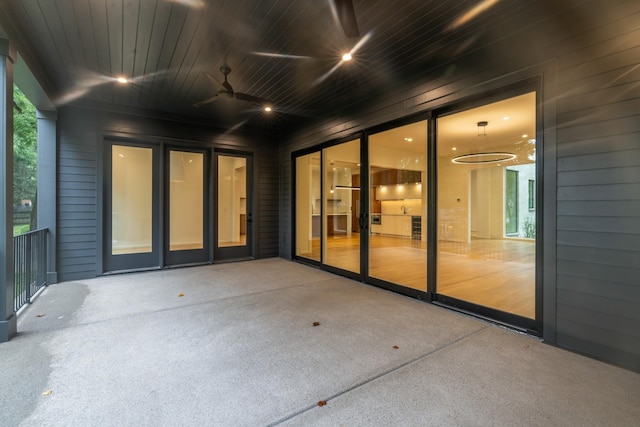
336 224
396 176
393 225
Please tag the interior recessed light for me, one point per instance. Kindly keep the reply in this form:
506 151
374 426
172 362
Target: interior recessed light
408 139
505 118
267 109
454 148
525 135
347 57
122 80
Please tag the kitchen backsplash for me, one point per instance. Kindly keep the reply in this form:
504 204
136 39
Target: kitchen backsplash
395 207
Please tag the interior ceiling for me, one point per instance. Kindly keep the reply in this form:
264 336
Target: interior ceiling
284 51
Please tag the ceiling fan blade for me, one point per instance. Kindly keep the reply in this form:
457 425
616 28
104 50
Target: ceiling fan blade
254 99
212 79
347 17
206 101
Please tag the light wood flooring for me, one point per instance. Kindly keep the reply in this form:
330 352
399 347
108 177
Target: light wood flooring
494 273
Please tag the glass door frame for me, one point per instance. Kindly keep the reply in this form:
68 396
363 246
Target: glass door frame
362 214
191 256
531 326
135 261
378 282
527 325
233 253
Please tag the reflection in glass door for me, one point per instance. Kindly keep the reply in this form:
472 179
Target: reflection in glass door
131 207
187 208
340 214
234 219
398 206
486 248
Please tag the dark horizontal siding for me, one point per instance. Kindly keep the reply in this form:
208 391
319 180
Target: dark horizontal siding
79 155
267 192
598 207
77 195
285 203
595 51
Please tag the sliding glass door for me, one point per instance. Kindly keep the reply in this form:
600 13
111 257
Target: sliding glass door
486 247
329 215
308 206
398 206
341 206
446 209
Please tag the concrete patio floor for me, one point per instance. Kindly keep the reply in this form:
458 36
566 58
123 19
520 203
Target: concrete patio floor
235 345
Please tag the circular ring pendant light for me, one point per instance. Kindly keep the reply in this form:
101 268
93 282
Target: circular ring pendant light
484 157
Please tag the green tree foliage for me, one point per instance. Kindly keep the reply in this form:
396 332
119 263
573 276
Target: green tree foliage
25 148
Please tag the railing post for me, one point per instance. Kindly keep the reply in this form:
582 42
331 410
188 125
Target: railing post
7 316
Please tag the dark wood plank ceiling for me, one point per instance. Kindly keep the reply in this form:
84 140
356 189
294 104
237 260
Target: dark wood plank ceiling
279 50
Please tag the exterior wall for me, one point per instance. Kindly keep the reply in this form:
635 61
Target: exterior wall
80 148
586 54
598 290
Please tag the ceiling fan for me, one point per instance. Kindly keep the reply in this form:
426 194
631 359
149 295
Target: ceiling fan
347 17
226 91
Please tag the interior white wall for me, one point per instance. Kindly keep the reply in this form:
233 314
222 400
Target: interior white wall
131 217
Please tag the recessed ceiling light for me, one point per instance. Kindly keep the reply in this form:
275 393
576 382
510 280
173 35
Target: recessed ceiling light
122 80
347 57
408 139
525 135
454 148
505 118
267 108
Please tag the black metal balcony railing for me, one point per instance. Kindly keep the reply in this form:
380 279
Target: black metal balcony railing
30 265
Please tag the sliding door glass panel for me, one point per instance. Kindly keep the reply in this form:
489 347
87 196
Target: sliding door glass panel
186 200
131 200
308 201
398 205
340 215
486 247
232 201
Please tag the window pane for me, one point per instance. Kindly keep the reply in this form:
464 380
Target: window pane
486 247
397 207
341 171
131 178
232 201
308 206
186 199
